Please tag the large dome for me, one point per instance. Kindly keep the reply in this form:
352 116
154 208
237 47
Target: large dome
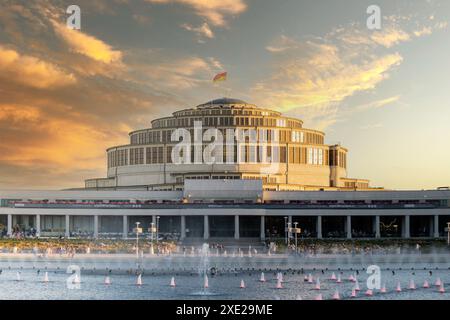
226 101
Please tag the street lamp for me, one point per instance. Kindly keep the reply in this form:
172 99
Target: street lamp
157 228
152 231
285 230
448 233
295 230
137 230
289 229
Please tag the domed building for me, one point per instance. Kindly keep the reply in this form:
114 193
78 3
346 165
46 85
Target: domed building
258 144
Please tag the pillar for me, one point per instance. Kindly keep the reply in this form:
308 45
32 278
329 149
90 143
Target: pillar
183 227
236 227
262 230
38 225
406 227
67 228
377 227
349 227
96 226
205 227
9 224
319 227
436 226
125 227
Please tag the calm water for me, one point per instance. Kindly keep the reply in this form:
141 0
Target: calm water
225 286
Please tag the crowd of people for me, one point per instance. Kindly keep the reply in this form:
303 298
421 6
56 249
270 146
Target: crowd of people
72 247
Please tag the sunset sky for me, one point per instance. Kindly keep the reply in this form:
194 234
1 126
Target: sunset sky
67 95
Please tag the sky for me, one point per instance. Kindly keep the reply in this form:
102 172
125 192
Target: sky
67 95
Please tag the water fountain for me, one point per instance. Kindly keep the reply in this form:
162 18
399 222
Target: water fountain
339 279
333 276
426 285
172 282
139 280
412 285
279 284
262 278
242 286
399 287
438 282
107 281
317 286
336 295
353 295
45 277
357 285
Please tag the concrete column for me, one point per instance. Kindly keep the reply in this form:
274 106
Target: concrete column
406 228
125 227
436 227
349 227
38 225
67 228
319 227
377 227
183 227
205 227
236 227
262 230
9 225
154 220
96 226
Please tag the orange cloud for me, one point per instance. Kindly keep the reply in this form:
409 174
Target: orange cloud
308 74
213 10
203 30
87 45
31 71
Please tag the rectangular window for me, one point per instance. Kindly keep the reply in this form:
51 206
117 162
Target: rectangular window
310 156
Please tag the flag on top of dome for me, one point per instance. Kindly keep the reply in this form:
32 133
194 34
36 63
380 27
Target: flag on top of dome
220 77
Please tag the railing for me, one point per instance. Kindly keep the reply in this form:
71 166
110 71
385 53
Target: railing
210 205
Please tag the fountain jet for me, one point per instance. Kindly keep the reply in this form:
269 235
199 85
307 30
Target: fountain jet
336 295
139 280
262 278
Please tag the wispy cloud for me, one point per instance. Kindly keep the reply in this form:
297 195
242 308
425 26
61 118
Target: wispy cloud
215 11
313 76
32 71
87 45
377 104
202 31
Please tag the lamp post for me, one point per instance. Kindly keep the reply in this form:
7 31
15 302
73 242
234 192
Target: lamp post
295 229
137 239
152 230
448 233
157 228
289 233
285 230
